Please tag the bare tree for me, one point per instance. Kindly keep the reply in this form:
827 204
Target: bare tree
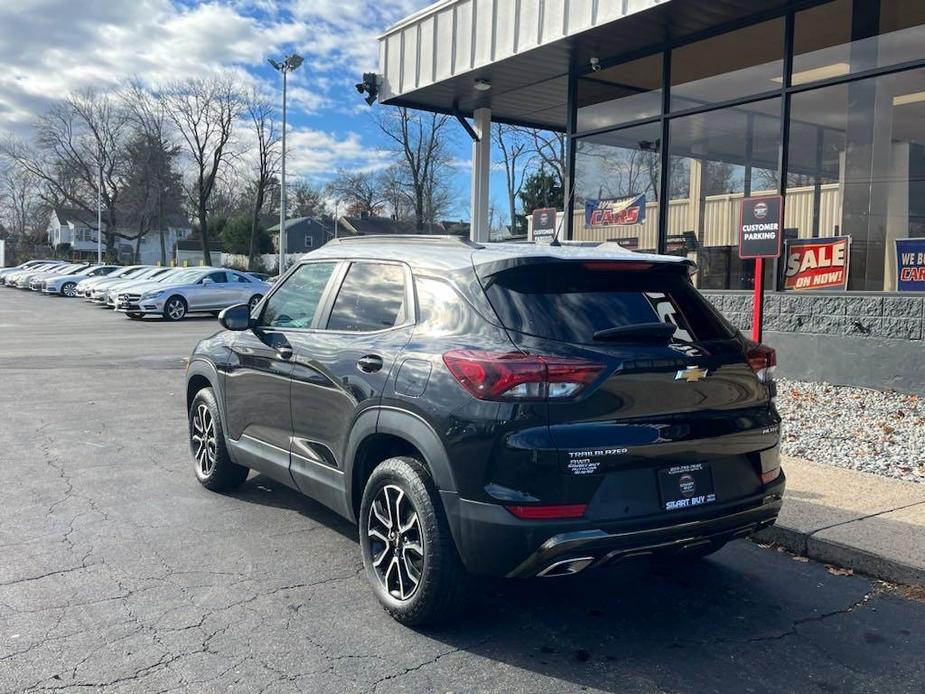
19 198
204 111
361 191
421 140
80 145
516 155
551 149
305 200
263 120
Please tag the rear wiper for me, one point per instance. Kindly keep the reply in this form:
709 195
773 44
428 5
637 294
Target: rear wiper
641 332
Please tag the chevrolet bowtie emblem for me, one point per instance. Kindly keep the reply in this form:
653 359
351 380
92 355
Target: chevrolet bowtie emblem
691 374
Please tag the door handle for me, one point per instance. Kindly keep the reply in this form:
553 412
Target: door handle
369 364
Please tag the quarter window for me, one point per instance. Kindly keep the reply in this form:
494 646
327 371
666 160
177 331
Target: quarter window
372 297
294 304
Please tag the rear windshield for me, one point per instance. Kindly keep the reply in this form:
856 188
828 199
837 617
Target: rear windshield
570 301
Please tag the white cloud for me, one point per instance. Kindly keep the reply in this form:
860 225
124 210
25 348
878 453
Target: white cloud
316 154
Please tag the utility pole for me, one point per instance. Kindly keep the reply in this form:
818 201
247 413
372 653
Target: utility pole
284 68
99 212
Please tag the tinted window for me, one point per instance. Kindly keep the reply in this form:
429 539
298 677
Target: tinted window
571 301
371 298
217 277
293 305
235 277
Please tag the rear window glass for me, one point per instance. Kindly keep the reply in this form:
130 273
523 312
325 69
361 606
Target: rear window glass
570 301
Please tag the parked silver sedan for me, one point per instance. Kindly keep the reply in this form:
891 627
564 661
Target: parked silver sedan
122 273
107 293
198 290
66 285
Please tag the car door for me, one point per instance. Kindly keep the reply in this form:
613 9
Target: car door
257 383
209 291
239 290
340 368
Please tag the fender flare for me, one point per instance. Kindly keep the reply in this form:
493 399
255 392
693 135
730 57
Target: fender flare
406 425
202 367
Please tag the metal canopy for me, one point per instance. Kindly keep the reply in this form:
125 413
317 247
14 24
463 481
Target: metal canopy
527 48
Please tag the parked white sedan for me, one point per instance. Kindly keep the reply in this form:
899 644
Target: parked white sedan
198 290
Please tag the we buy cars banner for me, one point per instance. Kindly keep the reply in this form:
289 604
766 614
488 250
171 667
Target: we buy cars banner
910 265
816 263
615 212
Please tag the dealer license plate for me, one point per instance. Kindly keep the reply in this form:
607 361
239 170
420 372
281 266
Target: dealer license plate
686 486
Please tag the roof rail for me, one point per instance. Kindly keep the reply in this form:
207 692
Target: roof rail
410 238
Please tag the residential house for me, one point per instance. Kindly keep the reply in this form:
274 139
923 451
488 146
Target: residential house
303 234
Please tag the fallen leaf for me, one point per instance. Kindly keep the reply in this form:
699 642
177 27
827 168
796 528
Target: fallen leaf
802 559
838 571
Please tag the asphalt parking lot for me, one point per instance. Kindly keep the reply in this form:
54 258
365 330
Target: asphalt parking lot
118 572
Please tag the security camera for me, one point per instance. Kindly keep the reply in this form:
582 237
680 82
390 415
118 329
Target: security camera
596 64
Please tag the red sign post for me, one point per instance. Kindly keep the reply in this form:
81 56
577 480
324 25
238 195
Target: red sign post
760 235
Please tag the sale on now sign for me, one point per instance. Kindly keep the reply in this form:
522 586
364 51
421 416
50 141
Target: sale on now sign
816 263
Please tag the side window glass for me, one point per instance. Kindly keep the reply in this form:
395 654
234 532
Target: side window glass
293 305
372 297
443 310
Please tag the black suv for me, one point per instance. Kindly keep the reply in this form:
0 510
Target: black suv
508 409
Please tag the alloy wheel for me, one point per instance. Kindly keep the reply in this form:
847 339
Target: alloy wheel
254 301
69 289
396 542
202 440
176 309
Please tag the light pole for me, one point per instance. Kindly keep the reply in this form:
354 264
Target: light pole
99 213
284 68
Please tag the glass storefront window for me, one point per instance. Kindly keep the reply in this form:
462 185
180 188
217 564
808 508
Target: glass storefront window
732 65
848 36
857 168
718 158
617 178
620 94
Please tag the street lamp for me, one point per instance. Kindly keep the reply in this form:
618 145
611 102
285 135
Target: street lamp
99 212
284 68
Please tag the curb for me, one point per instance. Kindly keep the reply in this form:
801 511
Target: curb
827 551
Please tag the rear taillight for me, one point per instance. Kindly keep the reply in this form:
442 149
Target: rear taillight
518 376
559 512
770 475
763 361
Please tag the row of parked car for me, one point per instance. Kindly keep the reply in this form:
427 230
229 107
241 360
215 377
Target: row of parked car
141 290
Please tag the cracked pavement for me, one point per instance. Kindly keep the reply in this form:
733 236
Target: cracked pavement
119 573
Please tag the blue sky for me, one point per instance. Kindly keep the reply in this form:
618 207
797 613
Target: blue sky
48 47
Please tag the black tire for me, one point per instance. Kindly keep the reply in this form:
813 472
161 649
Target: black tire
69 289
441 577
254 300
175 308
212 464
135 316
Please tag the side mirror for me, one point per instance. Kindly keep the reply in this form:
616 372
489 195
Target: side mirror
237 317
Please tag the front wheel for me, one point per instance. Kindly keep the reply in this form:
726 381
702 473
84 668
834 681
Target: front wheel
410 557
69 289
252 304
214 467
175 308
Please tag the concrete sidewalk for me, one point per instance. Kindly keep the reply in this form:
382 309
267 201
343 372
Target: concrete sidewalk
865 522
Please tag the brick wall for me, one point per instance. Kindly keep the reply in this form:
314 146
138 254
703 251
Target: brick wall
891 316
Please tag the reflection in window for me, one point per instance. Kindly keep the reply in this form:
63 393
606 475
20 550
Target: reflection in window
293 305
372 297
717 159
731 65
848 36
617 178
620 94
857 168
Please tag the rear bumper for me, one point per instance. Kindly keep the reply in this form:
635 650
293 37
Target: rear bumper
492 541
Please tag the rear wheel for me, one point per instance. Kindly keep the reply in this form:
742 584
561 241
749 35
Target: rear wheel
214 467
69 289
255 299
410 557
175 308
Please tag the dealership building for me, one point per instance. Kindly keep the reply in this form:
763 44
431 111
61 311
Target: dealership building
674 111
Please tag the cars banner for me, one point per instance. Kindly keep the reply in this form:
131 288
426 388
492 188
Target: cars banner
816 263
910 265
615 211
